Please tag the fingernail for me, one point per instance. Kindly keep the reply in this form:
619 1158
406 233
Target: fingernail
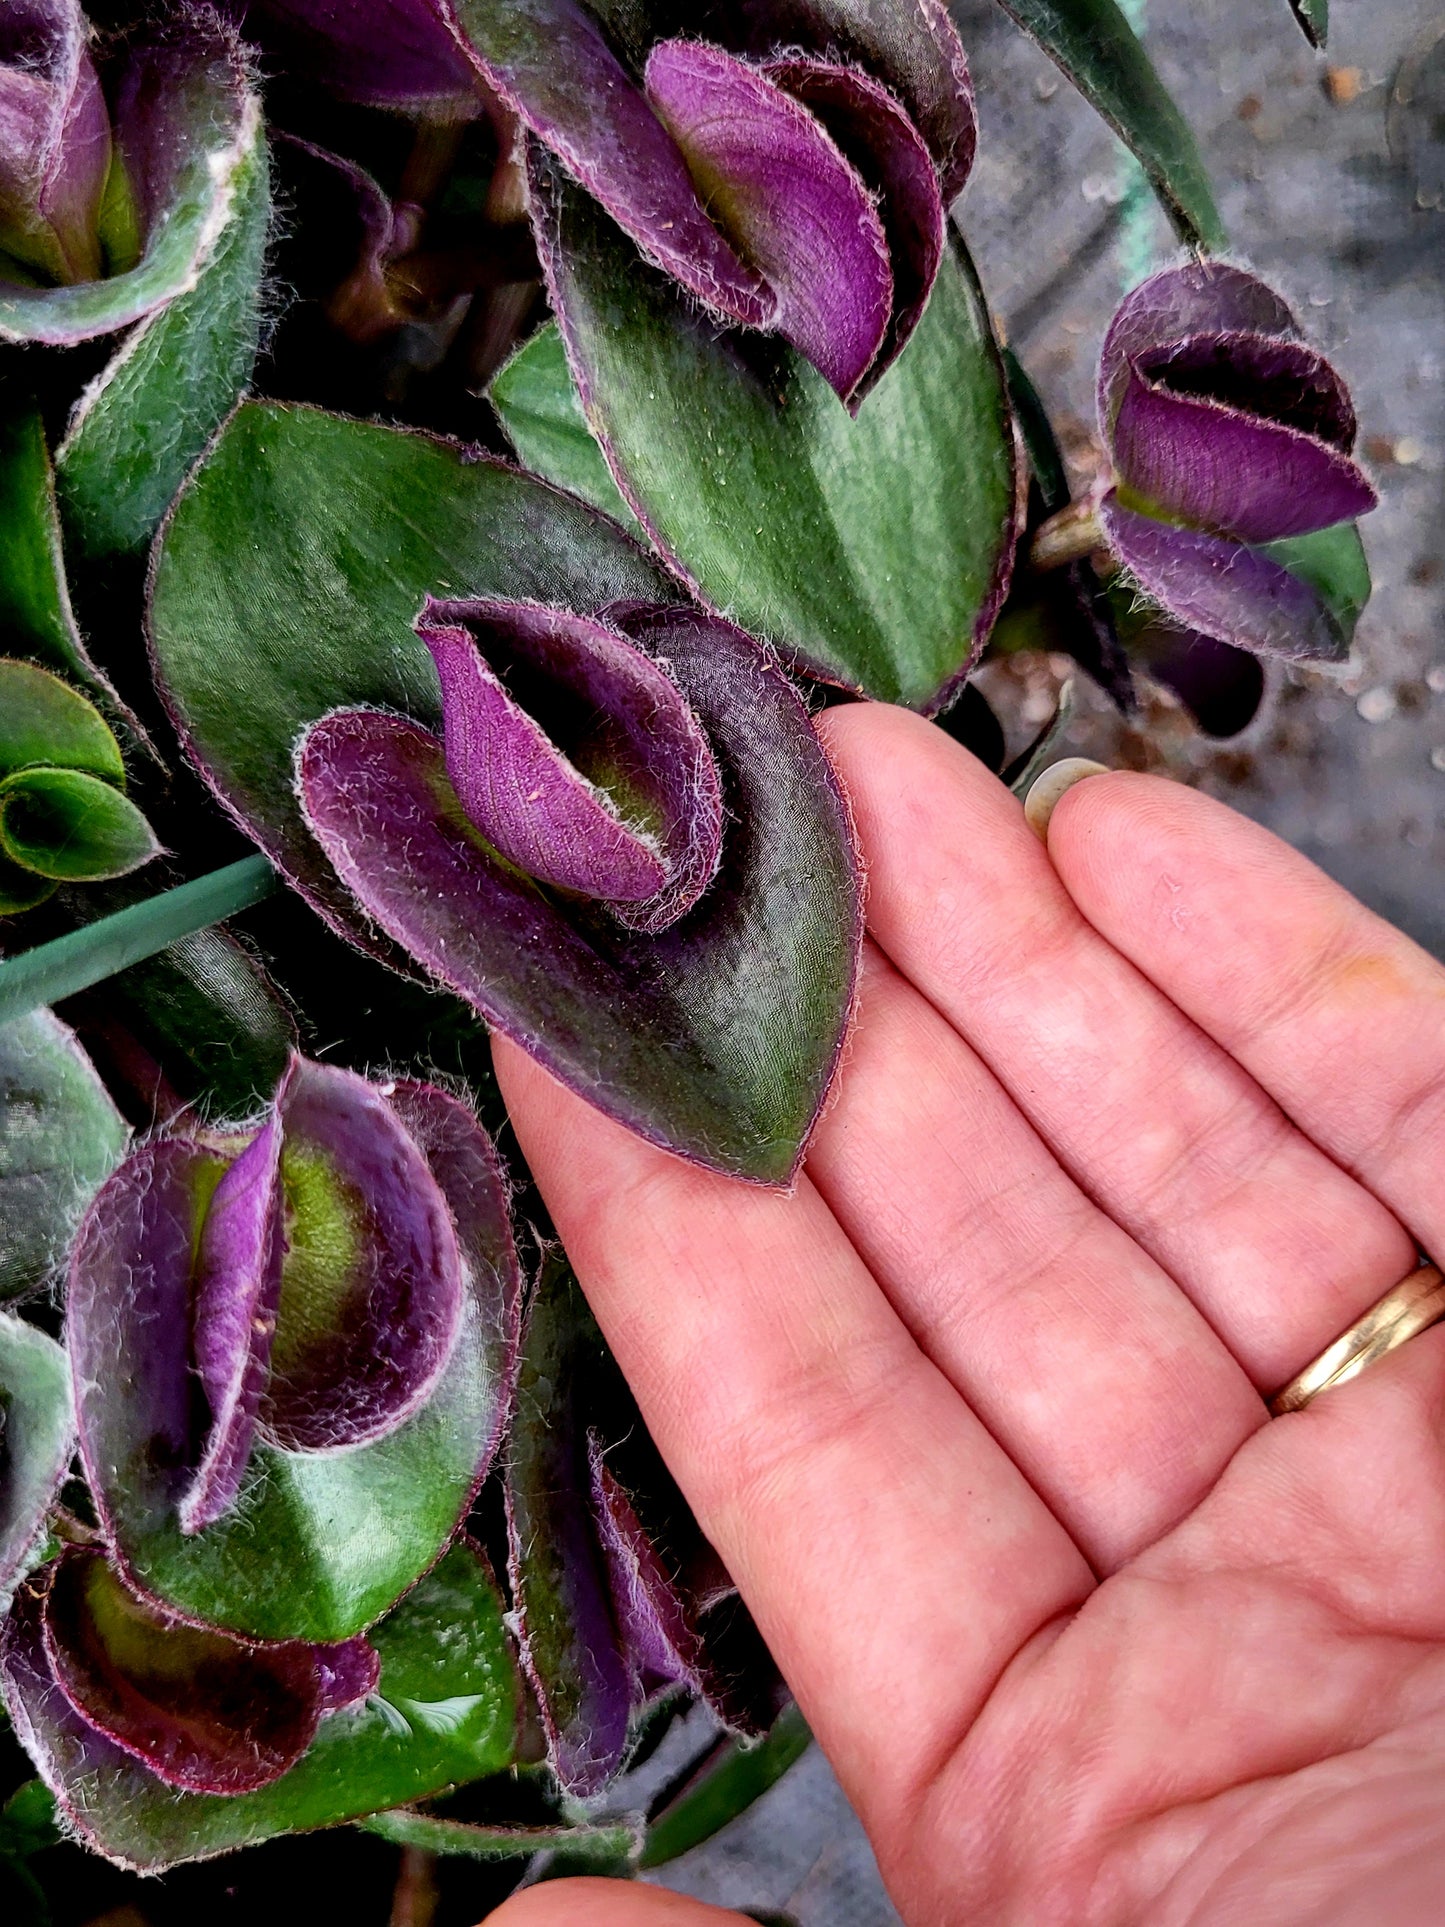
1047 790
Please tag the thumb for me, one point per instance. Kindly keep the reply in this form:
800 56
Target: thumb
606 1903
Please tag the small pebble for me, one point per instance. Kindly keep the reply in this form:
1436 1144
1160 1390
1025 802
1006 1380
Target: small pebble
1435 677
1377 705
1343 85
1437 758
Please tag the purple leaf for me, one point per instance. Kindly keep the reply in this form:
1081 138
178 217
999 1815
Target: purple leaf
888 153
1221 687
346 1673
550 63
371 1291
1201 298
237 1285
660 1643
786 197
557 730
1221 588
1219 468
203 1711
1278 380
55 145
383 53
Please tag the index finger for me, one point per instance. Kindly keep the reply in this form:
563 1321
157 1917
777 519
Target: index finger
894 1557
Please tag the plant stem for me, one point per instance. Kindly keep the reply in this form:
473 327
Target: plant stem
1069 536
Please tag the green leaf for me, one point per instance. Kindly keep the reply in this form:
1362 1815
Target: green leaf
536 398
743 1774
45 723
299 555
37 1435
67 824
874 552
445 1712
27 1820
1314 19
138 428
618 1840
1102 55
1334 564
60 1135
56 970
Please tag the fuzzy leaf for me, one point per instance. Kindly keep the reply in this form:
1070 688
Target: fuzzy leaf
444 1647
396 54
45 723
536 398
657 1638
60 1135
436 1833
874 552
184 121
70 826
1179 304
1100 53
141 424
37 1438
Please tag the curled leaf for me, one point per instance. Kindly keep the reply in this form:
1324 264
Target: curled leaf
71 827
37 1438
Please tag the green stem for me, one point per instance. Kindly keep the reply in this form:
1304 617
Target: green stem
52 971
744 1774
1069 536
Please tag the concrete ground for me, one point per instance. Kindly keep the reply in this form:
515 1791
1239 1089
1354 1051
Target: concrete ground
1330 175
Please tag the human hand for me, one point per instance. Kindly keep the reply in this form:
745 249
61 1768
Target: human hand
1129 1130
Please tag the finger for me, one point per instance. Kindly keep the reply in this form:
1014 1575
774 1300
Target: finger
1337 1014
892 1554
1089 1366
606 1903
1275 1244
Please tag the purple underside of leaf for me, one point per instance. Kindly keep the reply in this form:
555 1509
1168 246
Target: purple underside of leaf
237 1284
54 138
660 1645
158 103
1200 298
201 1710
1281 381
380 53
885 148
371 1291
1221 687
559 75
1222 588
1218 468
914 49
792 204
551 721
346 1673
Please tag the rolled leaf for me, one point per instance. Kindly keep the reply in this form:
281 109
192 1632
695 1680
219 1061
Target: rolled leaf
621 799
70 826
203 1712
60 1135
46 724
37 1438
184 122
1280 380
444 1712
551 64
785 195
829 539
55 150
560 1585
383 53
1223 589
659 1641
1221 687
1201 298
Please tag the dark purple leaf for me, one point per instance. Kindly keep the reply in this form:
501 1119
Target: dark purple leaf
203 1711
346 1673
576 756
1220 686
659 1641
1219 468
549 61
54 141
1221 588
787 198
1200 298
884 147
1280 380
383 53
237 1286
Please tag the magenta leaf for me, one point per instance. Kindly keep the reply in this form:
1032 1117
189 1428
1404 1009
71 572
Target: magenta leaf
55 148
659 1641
576 756
782 191
346 1673
203 1711
1201 298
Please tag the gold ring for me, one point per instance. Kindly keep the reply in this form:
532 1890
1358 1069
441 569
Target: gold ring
1403 1313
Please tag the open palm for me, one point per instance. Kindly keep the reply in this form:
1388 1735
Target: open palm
1128 1131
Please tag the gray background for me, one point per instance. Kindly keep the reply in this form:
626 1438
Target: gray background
1334 201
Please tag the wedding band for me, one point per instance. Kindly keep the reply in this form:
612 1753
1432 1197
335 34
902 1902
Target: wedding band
1403 1313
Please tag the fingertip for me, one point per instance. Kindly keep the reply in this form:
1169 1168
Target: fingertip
605 1903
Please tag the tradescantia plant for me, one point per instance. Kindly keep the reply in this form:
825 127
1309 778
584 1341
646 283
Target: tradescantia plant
443 574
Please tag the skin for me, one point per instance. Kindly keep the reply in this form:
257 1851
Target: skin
1130 1128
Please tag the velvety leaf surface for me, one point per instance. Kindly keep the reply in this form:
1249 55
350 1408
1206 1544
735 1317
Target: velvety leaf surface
874 552
185 122
60 1135
317 1545
1333 563
45 722
434 1833
71 826
560 1583
141 424
536 398
657 1639
37 1438
383 53
717 1037
445 1712
1178 304
202 1711
1101 54
300 555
